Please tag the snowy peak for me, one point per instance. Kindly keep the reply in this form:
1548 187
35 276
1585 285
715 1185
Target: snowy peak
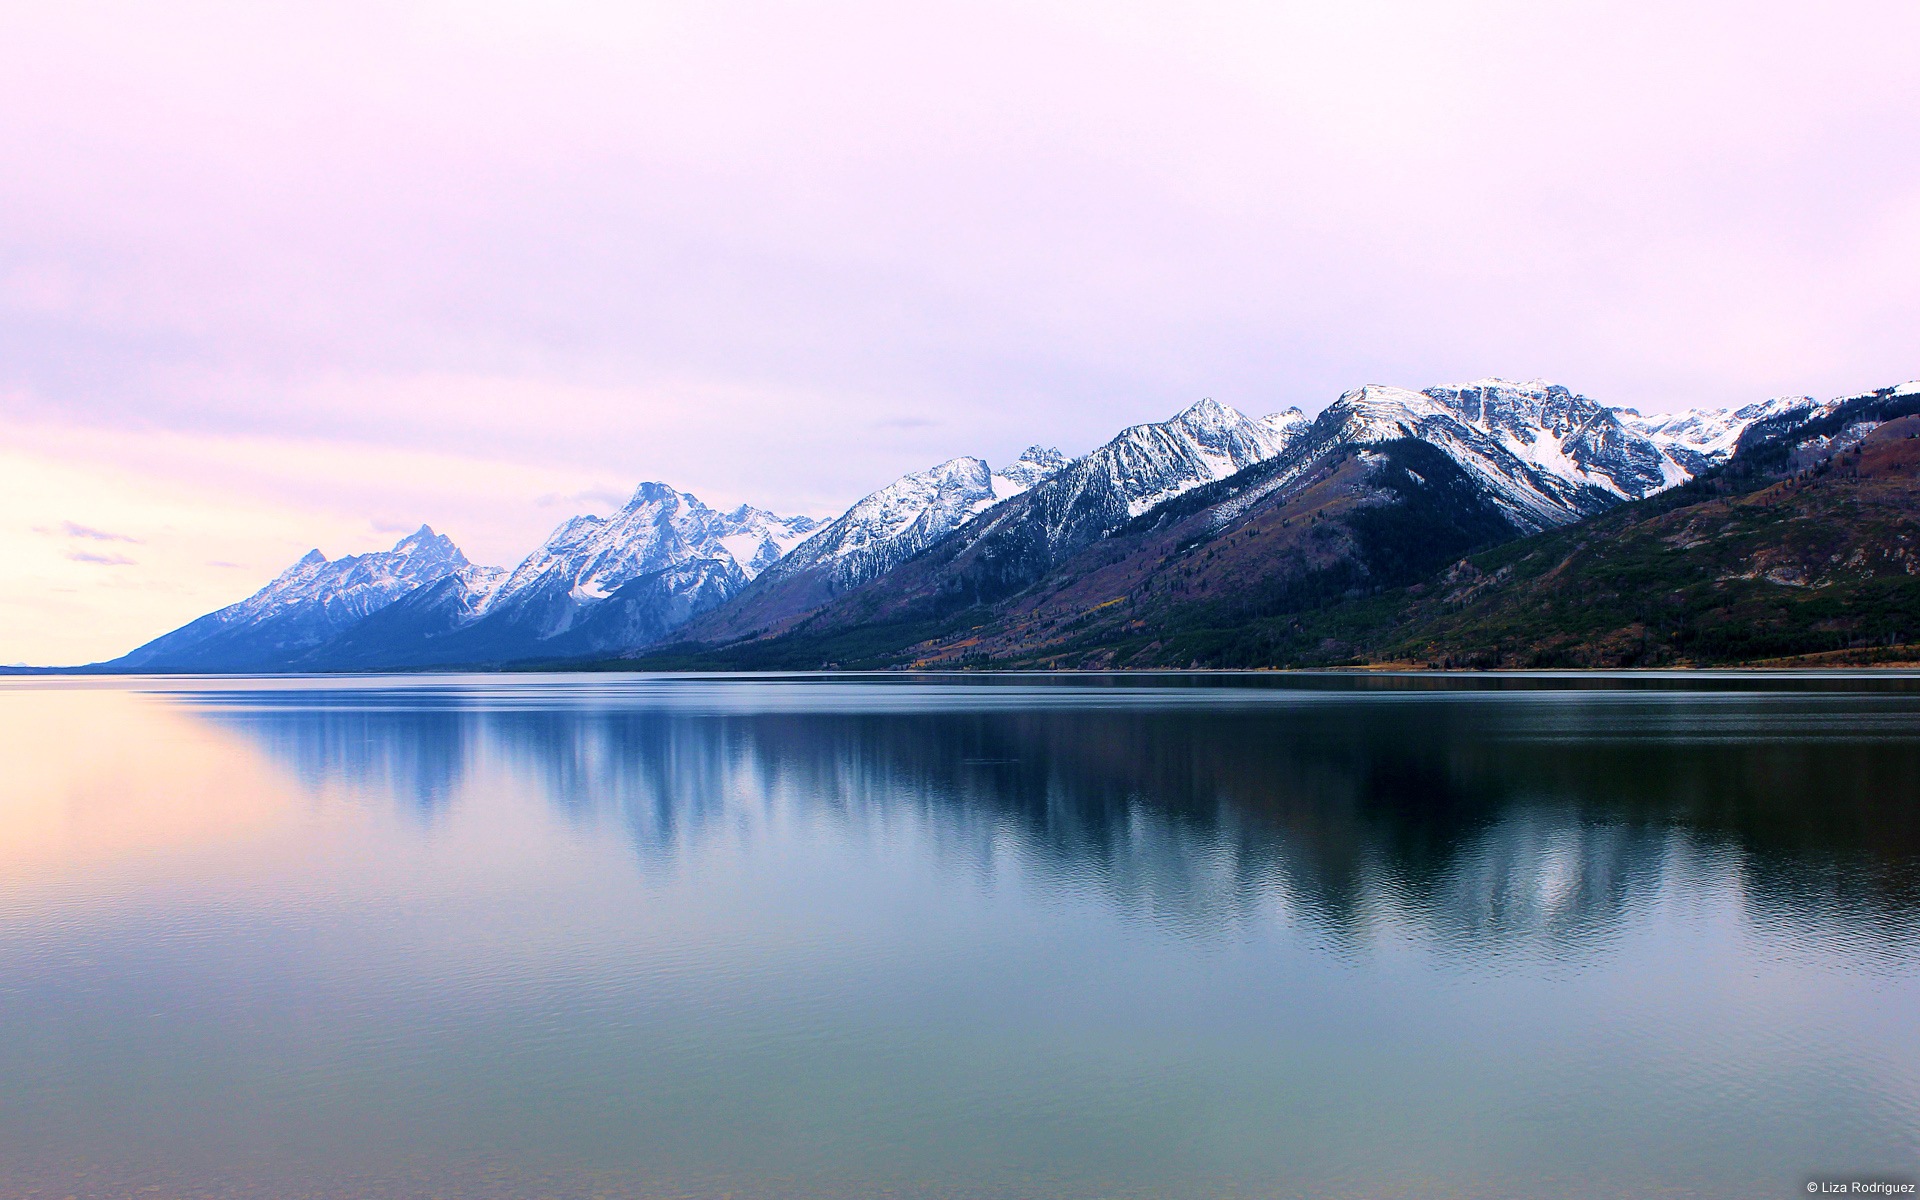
1223 430
887 527
1380 413
1547 454
1564 434
423 543
756 539
587 558
1523 409
1034 464
962 531
1207 415
1712 433
309 602
899 520
941 495
1285 424
1150 464
1544 453
359 582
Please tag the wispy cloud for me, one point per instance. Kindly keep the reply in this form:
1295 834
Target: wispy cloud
104 560
77 530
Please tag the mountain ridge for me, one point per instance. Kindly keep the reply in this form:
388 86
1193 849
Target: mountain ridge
1806 541
1359 498
1537 454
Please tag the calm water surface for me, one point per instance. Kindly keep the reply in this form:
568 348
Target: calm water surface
1164 937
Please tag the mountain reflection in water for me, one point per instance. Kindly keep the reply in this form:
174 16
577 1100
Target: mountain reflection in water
1488 820
987 937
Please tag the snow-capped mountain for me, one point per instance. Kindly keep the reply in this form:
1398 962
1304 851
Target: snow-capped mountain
1512 457
881 531
1544 454
913 512
1706 436
310 602
1142 466
1148 464
596 583
423 627
1529 456
1034 464
1004 544
1700 437
587 558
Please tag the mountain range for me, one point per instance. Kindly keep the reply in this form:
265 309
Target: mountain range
1211 538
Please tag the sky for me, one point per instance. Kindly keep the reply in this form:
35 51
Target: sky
282 276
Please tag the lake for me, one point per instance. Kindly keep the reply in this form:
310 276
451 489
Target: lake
1018 936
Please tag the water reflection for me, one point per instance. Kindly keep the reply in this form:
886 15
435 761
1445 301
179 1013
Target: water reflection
1486 820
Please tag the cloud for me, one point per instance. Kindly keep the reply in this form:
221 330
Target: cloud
270 275
104 560
74 529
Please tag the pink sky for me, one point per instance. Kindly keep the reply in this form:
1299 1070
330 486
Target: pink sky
282 276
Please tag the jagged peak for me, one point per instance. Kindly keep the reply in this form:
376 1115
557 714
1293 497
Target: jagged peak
965 465
1374 395
423 538
1042 456
1772 407
1536 386
1035 464
306 565
654 493
1208 413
